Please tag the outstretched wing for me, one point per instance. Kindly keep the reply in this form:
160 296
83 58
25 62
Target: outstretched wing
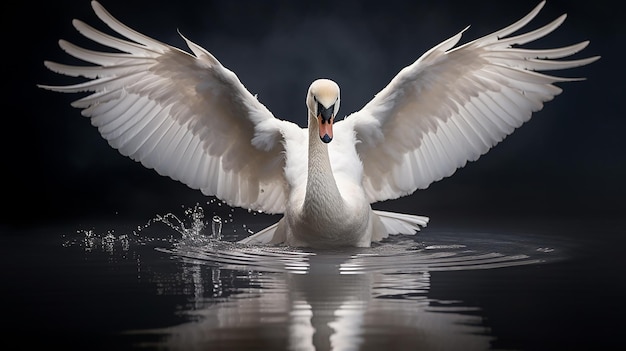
452 105
186 116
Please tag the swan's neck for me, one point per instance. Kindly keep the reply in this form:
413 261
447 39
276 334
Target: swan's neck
322 194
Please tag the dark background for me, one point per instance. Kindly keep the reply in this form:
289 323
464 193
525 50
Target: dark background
568 161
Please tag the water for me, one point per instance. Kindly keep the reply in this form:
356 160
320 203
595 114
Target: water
181 282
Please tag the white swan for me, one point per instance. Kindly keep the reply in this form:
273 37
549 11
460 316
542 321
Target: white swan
190 118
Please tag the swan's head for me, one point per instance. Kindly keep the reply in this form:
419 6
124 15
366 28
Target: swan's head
323 103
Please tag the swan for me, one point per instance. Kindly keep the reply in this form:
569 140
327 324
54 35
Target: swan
188 117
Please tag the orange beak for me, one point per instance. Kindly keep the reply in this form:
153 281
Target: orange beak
326 128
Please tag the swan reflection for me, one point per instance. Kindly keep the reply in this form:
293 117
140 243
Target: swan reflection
361 299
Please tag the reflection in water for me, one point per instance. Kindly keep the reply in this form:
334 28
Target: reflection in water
359 299
244 297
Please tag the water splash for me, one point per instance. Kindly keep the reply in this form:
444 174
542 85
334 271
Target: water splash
191 226
216 228
92 241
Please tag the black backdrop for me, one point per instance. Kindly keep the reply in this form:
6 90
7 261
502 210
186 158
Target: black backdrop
568 160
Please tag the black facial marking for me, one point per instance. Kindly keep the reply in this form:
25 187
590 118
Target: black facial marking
326 113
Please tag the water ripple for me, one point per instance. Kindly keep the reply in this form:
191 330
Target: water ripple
397 255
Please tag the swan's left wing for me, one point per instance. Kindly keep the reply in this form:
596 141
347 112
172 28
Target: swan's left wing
186 116
452 105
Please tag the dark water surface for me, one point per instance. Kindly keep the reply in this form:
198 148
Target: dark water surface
549 284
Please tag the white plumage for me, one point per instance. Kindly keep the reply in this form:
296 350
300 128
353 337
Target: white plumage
190 118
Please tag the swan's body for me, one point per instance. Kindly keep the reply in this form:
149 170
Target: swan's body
190 118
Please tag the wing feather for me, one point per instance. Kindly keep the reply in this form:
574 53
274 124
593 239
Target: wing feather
184 115
454 104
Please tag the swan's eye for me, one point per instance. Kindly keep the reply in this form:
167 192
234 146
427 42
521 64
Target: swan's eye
314 98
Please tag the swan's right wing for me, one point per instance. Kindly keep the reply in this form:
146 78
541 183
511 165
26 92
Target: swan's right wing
186 116
452 105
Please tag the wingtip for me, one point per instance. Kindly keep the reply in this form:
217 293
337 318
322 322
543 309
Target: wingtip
583 44
96 5
45 87
100 11
594 59
540 5
199 51
79 25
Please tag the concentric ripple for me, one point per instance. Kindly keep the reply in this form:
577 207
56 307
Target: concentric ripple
434 251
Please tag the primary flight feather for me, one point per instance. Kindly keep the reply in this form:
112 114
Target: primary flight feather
190 118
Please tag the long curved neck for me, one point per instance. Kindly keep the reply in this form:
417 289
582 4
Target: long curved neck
322 194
